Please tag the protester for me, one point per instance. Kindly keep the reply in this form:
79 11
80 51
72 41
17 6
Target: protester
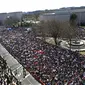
47 63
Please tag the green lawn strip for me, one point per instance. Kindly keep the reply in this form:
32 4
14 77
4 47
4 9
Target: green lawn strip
50 40
83 53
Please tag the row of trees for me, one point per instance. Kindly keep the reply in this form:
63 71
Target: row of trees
58 29
15 22
33 16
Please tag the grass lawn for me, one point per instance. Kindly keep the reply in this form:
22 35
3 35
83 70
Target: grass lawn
82 27
50 40
83 53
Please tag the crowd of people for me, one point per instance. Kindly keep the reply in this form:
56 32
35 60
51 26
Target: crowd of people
6 76
49 64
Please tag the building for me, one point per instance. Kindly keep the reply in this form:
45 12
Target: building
4 16
15 14
64 15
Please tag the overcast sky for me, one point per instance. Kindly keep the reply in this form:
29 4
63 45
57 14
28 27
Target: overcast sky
32 5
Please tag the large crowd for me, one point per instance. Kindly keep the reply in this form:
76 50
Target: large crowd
6 76
47 63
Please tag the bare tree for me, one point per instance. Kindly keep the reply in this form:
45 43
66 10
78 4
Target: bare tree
42 30
50 29
70 32
54 30
39 30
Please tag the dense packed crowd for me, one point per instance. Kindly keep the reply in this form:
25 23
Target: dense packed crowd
6 77
49 64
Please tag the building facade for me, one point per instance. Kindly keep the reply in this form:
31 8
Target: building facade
64 15
4 16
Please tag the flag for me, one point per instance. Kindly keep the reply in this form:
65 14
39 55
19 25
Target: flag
35 56
35 63
40 51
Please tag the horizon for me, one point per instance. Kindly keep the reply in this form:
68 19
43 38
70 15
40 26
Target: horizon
40 9
30 5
